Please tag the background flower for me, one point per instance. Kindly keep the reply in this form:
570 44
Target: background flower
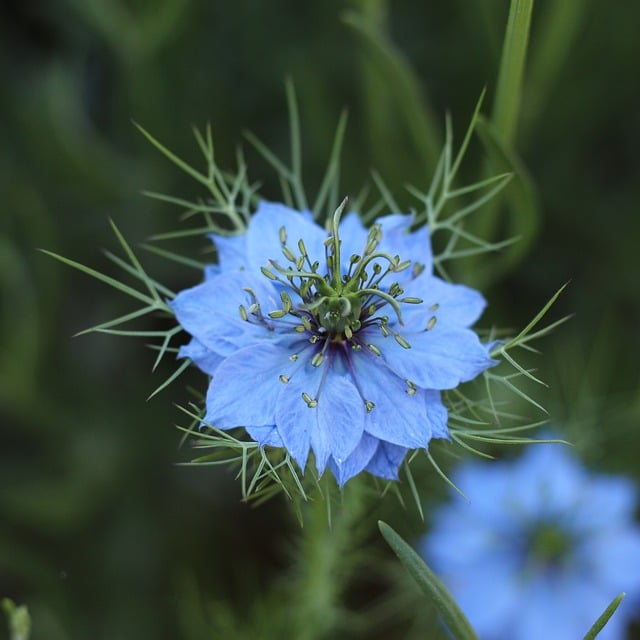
346 361
541 549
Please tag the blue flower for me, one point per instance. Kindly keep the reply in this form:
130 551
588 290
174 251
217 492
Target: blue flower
336 342
542 548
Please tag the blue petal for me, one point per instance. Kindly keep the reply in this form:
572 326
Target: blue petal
457 304
209 311
265 436
232 251
437 414
204 358
245 387
441 358
397 417
333 428
354 463
398 240
263 235
386 461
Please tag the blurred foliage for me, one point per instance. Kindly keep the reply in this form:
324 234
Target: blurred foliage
101 535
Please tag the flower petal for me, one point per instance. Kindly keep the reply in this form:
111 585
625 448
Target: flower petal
356 461
210 311
441 358
397 417
244 388
409 245
333 428
232 251
450 304
205 359
386 461
265 436
263 234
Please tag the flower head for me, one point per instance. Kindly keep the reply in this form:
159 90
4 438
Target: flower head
542 548
334 341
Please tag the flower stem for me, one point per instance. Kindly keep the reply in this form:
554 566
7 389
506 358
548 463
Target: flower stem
330 535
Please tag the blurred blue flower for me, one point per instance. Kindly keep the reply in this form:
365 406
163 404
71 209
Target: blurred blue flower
336 342
542 548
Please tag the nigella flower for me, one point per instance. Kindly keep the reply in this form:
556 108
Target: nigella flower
542 548
336 342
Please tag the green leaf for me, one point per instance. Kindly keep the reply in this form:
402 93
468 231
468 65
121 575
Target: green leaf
430 585
599 624
506 106
19 620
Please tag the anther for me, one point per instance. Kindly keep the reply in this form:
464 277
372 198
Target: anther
288 254
293 357
279 313
268 274
431 323
284 379
411 388
374 349
243 313
286 301
369 406
311 403
283 235
401 341
316 361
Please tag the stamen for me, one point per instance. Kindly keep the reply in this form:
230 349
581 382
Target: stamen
287 305
374 349
268 274
288 254
311 403
401 341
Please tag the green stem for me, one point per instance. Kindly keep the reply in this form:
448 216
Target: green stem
330 535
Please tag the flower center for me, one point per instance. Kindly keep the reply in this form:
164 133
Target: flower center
339 315
332 309
337 305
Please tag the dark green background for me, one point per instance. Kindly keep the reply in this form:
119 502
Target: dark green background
100 534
